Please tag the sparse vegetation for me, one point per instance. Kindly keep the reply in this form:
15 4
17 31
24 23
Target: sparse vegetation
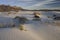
36 15
36 19
21 27
21 20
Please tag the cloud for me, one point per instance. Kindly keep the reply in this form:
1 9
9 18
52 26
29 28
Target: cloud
17 1
41 3
25 0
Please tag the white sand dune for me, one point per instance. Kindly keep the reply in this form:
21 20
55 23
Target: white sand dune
16 34
45 31
36 29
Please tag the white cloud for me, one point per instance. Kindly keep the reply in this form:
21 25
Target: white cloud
42 3
25 0
20 1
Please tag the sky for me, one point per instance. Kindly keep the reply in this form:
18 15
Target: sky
33 4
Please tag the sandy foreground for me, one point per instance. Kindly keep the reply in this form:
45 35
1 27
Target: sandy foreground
35 31
16 34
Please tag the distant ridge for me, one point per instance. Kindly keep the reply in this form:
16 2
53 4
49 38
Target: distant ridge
6 8
43 10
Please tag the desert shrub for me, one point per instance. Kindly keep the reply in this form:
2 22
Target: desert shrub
36 19
21 20
21 27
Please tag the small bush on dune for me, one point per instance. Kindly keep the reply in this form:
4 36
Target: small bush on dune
21 27
36 19
21 20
